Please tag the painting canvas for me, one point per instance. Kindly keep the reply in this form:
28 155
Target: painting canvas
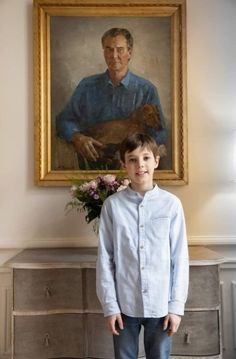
73 52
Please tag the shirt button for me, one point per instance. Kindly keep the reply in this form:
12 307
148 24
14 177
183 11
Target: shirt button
141 206
144 290
141 225
141 247
142 268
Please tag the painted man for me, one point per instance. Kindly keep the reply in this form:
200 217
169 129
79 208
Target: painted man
114 94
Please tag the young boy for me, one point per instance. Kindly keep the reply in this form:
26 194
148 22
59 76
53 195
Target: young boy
142 265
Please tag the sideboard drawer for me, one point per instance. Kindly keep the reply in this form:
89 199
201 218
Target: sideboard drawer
100 342
203 287
47 289
92 302
49 336
198 334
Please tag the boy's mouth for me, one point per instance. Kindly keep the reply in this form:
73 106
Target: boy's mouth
141 173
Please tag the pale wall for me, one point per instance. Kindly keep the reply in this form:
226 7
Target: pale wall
33 216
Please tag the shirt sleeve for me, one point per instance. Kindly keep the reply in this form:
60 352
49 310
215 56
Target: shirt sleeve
67 121
179 263
105 268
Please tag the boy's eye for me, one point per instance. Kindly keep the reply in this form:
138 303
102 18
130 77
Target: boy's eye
146 158
132 159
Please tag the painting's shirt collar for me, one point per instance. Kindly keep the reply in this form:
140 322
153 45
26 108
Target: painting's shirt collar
125 81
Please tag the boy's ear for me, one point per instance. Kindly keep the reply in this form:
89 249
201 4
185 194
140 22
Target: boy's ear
157 161
122 164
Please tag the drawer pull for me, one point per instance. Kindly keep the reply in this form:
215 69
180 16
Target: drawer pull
187 338
46 340
48 292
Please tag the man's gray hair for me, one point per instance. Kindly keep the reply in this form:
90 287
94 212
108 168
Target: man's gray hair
115 31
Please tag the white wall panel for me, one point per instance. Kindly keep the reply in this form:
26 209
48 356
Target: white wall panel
233 287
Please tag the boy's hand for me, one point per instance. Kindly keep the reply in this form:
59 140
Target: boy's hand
112 321
171 323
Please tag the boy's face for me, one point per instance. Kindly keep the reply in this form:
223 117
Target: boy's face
140 165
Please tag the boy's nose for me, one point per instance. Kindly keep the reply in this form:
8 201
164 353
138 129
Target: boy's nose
140 163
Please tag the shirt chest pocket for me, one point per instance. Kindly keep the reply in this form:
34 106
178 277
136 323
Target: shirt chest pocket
158 228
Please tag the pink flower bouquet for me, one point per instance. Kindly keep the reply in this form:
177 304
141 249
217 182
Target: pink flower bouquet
89 196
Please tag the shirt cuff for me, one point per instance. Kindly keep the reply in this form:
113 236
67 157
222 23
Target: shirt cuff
176 307
111 309
66 130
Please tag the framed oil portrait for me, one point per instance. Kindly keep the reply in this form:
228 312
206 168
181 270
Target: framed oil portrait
76 95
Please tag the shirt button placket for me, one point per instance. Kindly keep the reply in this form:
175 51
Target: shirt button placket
142 254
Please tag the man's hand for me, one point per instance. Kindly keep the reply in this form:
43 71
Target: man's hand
171 323
84 145
112 321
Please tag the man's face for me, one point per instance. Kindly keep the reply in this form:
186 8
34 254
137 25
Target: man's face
116 53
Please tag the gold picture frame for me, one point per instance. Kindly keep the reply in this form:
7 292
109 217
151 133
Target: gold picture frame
54 78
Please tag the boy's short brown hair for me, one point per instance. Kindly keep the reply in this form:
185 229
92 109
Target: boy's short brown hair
136 140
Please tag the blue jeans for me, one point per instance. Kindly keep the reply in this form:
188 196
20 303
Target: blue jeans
157 344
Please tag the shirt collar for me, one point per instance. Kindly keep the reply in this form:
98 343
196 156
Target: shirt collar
124 81
149 194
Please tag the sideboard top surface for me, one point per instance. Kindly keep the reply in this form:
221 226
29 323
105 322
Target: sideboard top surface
86 257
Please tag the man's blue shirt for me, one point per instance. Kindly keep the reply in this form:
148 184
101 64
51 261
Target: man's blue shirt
96 100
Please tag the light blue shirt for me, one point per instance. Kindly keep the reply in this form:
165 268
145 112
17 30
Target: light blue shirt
142 265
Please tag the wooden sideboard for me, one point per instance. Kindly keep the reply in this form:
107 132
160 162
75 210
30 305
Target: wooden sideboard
56 313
